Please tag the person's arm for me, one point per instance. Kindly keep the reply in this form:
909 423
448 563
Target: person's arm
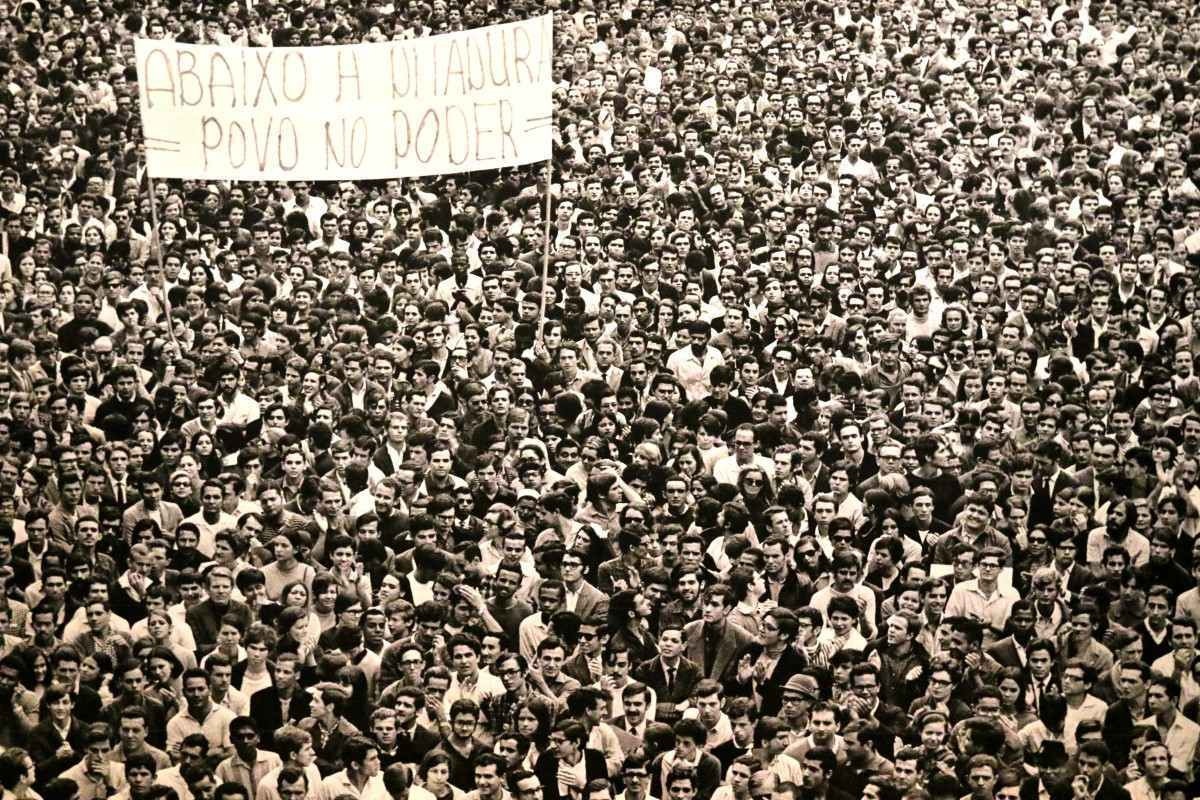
175 737
613 755
631 495
475 597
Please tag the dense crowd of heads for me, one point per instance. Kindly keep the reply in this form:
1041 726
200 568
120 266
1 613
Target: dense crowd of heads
845 445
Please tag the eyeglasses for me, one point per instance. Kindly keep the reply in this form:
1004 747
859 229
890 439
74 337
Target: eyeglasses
754 482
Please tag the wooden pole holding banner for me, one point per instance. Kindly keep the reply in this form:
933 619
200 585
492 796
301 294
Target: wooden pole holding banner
158 254
545 252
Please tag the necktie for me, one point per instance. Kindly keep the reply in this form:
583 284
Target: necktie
121 493
670 679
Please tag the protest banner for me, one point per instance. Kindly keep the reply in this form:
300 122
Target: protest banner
477 99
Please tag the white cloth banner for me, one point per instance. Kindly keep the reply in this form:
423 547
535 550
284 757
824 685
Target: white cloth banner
477 99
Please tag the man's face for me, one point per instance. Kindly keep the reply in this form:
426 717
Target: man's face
552 661
715 610
823 725
681 790
670 643
195 691
814 775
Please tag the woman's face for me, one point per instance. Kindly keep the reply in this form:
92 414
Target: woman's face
438 776
160 671
299 629
527 723
297 597
686 464
606 427
89 670
1010 690
159 627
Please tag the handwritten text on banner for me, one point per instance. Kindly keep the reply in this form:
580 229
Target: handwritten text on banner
477 99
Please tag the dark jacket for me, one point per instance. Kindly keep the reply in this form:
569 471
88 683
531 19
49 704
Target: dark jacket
205 621
267 710
770 690
411 749
547 771
44 741
732 639
652 674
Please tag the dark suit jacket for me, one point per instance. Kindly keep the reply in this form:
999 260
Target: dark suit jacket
412 751
1041 508
771 690
578 669
547 771
23 574
239 672
728 752
1079 578
795 591
651 673
1110 791
1119 722
44 741
88 705
1005 651
1084 340
205 621
383 460
343 396
733 639
592 602
268 713
1087 477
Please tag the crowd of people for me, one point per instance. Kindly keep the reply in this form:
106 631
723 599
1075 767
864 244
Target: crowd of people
844 447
